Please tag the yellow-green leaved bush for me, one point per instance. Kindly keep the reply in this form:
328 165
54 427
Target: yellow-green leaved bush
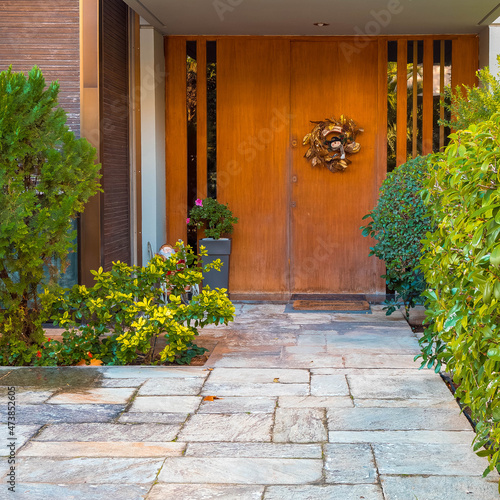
461 264
129 308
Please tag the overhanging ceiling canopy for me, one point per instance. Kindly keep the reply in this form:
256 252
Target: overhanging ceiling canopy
298 17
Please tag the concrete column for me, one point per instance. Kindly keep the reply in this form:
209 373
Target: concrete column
152 139
489 47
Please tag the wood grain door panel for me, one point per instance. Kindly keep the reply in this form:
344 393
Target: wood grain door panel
253 127
329 255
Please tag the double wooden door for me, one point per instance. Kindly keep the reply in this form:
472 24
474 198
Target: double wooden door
299 224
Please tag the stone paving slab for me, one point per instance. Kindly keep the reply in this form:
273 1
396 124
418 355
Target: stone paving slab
164 491
398 419
52 378
431 459
412 385
166 404
273 389
172 387
350 463
396 437
258 376
234 427
254 450
431 402
109 432
300 425
109 396
21 433
329 385
315 402
51 414
147 372
369 359
250 404
152 418
63 449
217 470
332 492
88 470
439 488
45 491
25 396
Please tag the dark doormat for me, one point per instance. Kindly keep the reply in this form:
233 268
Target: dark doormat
356 304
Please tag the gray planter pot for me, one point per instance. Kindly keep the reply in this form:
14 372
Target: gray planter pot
217 249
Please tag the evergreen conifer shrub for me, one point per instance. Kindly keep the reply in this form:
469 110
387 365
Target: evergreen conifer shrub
46 177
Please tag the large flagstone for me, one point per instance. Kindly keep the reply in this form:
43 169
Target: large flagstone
217 470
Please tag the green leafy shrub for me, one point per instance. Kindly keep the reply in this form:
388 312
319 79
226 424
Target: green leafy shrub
46 177
472 105
461 264
214 217
121 318
398 224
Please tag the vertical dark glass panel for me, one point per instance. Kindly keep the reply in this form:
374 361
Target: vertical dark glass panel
392 101
415 68
420 96
441 80
212 119
192 142
448 51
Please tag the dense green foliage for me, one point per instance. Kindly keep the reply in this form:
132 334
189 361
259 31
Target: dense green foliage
131 315
398 224
461 264
46 177
214 217
473 105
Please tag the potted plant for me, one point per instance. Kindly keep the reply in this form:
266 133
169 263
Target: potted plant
217 220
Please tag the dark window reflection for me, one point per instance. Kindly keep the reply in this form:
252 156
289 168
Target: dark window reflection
212 119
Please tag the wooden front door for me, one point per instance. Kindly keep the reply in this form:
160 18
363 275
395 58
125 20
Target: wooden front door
299 225
328 253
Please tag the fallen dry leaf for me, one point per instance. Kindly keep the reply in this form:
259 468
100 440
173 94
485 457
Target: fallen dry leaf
208 369
276 380
93 362
211 398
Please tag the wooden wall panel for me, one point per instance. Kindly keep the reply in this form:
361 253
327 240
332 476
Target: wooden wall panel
329 253
115 118
465 61
253 96
176 139
46 34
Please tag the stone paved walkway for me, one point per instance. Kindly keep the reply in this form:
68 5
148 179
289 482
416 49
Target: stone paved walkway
312 406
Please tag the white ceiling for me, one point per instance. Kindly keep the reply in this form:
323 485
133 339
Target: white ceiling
297 17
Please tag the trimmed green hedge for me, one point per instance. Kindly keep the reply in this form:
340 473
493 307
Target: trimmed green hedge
461 264
398 224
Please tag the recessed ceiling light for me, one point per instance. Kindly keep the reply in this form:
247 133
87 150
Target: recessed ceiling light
321 24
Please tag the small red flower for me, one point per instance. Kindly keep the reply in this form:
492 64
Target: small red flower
38 354
90 354
49 339
182 261
169 273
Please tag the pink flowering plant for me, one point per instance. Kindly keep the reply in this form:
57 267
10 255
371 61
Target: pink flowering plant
214 217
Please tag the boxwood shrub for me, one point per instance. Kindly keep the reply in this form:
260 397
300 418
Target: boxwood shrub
398 224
